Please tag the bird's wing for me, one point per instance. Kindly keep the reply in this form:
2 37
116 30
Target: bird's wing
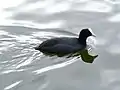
48 43
59 49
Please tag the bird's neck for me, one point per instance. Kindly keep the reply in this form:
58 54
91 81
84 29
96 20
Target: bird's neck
82 40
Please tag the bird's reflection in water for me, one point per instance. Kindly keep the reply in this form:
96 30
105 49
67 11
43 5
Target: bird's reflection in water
83 54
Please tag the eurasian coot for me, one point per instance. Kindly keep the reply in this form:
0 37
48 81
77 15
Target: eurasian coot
65 45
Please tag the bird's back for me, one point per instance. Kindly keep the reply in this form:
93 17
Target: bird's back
60 45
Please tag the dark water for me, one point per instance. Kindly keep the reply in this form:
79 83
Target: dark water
25 24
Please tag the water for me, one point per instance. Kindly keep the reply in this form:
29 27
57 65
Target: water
25 24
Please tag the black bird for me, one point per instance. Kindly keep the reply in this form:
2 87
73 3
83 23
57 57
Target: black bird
65 45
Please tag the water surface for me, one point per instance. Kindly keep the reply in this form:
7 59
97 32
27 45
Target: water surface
25 24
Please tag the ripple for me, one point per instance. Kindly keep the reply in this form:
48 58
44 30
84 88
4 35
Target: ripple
48 68
95 6
113 1
13 85
115 18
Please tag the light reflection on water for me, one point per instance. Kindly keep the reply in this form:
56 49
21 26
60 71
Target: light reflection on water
26 23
